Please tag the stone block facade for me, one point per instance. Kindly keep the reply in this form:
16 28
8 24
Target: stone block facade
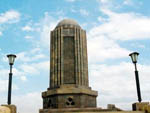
142 106
69 97
8 109
69 84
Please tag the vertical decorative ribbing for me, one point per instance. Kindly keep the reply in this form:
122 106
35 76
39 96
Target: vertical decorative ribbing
83 43
59 60
55 48
80 52
52 60
77 72
78 55
86 57
83 54
81 59
85 60
61 54
76 59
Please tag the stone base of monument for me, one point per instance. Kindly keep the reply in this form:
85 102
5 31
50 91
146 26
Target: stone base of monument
69 96
143 107
86 110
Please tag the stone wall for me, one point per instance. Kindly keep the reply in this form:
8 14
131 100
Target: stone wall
143 106
4 109
86 110
8 109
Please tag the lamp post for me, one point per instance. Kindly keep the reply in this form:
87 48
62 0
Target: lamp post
134 57
11 59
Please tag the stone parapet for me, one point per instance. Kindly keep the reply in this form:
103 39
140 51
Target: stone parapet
142 106
4 109
85 110
8 109
139 106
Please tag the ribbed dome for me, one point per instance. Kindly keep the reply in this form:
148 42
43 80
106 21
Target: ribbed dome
68 22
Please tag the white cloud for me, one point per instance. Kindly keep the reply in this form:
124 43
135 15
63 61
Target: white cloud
31 62
104 1
116 83
43 28
73 10
28 103
1 33
138 45
70 0
30 56
103 37
35 68
29 69
16 73
84 12
128 2
107 4
123 26
21 56
3 85
9 17
28 37
101 48
102 44
4 72
35 50
28 63
101 19
47 24
23 78
27 28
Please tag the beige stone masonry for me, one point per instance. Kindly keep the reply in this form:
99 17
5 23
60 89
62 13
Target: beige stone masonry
8 109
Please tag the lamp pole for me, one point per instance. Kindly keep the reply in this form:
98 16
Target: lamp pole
11 59
134 57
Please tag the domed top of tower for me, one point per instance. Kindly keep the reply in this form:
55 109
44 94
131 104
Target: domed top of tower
69 22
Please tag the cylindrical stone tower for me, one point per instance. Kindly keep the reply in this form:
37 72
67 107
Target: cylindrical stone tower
69 84
68 55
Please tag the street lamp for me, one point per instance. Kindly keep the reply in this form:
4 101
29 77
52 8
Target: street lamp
134 57
11 59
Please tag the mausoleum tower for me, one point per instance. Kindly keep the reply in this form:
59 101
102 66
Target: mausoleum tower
69 64
69 84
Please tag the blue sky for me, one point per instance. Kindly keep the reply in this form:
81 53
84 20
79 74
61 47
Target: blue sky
114 29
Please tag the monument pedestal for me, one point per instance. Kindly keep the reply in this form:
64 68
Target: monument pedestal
69 110
69 96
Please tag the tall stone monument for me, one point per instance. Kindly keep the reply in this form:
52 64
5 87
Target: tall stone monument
69 84
69 90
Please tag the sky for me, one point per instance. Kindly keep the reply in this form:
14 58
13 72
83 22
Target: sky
114 29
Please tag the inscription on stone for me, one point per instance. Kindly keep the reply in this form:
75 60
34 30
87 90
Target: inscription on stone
68 32
69 60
